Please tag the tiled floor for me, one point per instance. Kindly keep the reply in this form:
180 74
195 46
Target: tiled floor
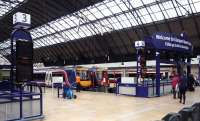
95 106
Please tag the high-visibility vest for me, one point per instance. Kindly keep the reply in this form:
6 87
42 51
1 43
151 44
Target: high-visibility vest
78 79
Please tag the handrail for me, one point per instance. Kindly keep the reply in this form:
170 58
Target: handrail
21 93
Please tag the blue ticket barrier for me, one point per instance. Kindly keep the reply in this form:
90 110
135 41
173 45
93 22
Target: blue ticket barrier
142 91
172 117
5 85
21 105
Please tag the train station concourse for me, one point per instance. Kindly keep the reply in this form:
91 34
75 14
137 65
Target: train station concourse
99 60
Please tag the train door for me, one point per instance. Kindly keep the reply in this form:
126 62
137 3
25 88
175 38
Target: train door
92 76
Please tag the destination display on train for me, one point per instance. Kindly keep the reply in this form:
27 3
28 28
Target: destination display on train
168 41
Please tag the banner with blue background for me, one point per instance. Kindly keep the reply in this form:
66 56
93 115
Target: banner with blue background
170 41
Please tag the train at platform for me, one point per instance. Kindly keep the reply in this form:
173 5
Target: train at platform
91 78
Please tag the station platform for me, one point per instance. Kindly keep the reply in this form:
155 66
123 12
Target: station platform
98 106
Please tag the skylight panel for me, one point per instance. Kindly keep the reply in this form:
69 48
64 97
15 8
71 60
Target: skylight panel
115 9
155 8
147 19
148 1
82 33
110 4
158 16
47 41
39 43
75 34
171 13
6 52
101 7
70 36
196 5
6 6
3 60
123 6
136 3
143 11
56 38
5 44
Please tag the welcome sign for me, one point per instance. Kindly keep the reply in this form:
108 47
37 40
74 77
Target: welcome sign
168 41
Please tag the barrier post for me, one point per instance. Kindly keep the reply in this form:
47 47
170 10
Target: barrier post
158 73
21 101
198 58
139 45
138 73
58 92
199 70
188 66
41 101
12 65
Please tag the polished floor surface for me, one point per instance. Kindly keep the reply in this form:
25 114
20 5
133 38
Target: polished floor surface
96 106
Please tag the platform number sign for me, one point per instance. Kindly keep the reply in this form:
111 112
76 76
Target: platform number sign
139 44
16 18
24 18
21 19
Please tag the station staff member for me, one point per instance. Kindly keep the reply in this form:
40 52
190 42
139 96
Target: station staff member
78 86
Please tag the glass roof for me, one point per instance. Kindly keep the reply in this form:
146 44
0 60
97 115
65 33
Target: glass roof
3 60
8 5
5 48
108 16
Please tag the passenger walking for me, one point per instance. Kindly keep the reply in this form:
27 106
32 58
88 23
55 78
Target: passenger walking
183 87
78 85
175 80
191 82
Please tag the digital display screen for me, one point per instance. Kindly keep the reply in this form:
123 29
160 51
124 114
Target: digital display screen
24 49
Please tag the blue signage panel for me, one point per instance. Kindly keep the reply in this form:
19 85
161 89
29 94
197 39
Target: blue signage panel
169 41
20 34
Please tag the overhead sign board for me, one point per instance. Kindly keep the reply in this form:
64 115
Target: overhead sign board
139 44
21 20
168 41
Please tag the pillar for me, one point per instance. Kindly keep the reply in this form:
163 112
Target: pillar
188 66
138 65
158 73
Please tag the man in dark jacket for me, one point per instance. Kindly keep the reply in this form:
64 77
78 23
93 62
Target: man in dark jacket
183 87
191 82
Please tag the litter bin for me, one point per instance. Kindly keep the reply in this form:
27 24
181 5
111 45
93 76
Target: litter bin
186 114
172 117
196 112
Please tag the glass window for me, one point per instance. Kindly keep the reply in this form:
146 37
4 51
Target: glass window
8 5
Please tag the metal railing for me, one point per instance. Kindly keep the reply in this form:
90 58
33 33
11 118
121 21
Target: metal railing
21 105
